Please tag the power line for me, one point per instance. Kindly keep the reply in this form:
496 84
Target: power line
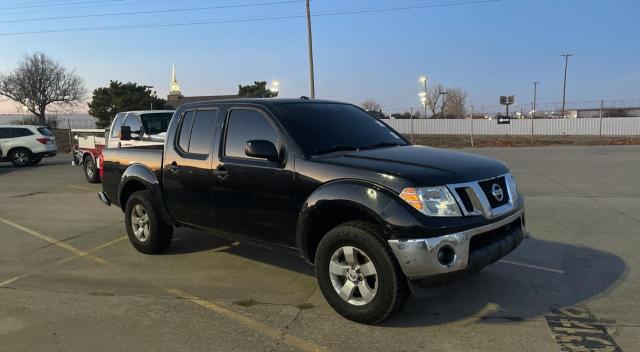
153 11
58 4
253 19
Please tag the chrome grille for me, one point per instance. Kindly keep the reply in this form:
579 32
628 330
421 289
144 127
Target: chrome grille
476 198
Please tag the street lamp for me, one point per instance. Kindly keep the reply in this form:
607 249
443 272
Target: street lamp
275 87
423 95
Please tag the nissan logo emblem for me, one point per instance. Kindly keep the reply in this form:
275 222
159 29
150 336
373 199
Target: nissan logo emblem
497 192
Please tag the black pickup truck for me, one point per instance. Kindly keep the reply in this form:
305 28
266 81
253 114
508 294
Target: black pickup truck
374 214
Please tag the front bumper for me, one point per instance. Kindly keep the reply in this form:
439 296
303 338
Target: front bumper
457 253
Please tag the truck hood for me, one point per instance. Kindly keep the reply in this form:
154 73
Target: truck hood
422 166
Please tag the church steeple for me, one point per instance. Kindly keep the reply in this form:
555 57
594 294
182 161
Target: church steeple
175 86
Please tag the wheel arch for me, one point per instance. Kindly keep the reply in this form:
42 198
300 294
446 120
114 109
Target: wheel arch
138 177
341 201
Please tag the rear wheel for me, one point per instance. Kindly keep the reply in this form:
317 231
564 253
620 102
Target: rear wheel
145 228
90 170
358 275
20 157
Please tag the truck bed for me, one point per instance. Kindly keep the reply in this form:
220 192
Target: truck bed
117 160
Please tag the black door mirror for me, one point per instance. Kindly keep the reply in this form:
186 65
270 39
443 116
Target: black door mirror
125 133
261 149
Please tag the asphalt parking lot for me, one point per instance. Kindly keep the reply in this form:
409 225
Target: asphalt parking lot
70 280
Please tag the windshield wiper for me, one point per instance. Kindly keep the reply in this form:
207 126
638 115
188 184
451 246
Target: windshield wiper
336 148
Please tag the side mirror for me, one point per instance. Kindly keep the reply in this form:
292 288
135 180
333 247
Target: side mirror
125 133
261 149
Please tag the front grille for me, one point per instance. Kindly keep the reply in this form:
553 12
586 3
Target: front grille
466 201
487 188
488 238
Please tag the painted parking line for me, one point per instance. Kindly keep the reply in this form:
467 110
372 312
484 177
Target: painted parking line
229 314
254 325
531 266
53 241
62 261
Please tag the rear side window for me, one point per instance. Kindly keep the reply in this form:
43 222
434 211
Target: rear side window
185 130
203 132
45 131
246 125
5 133
20 132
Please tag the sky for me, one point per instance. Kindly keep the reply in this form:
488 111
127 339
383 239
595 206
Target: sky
488 49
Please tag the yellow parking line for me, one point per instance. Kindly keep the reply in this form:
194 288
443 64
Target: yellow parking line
53 241
62 261
254 325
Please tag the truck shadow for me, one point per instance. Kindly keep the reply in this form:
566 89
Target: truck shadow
538 276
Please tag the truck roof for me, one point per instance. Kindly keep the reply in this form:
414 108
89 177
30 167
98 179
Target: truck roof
147 112
262 101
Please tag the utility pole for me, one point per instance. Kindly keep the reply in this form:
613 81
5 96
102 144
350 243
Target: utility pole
535 96
564 90
444 103
310 42
471 126
411 121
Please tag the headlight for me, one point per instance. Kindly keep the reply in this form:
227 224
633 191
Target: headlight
432 201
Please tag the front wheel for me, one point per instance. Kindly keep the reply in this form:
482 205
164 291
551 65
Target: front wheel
358 275
147 232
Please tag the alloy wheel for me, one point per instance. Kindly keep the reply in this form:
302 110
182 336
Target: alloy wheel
353 275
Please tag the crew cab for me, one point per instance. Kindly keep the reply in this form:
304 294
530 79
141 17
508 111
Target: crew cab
374 214
25 145
142 128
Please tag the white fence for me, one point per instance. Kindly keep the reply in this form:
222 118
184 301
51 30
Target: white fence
622 126
77 120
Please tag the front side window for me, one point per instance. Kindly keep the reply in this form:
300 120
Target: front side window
326 127
117 124
5 133
245 125
133 121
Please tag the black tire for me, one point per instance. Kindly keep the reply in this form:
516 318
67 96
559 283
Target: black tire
20 157
159 234
90 170
391 284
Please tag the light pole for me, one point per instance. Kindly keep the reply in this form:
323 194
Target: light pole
424 81
444 103
535 95
275 87
564 89
423 101
310 43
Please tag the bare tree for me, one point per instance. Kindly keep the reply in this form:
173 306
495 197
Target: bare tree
370 105
433 96
456 103
40 81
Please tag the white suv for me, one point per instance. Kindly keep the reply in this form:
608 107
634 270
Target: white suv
26 145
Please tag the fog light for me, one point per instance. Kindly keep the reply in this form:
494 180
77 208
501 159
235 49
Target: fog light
446 255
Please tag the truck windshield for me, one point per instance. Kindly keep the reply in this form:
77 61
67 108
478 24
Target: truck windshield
156 123
320 128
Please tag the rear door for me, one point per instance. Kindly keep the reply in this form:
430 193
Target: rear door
5 141
187 167
24 137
